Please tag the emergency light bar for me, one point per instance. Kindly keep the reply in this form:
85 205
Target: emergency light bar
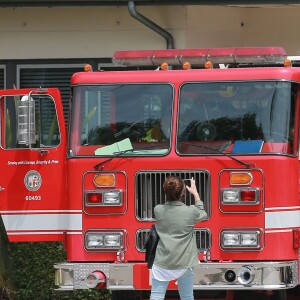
198 57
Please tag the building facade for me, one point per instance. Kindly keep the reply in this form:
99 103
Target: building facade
43 46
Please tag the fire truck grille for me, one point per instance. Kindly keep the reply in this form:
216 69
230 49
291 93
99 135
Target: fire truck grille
203 239
149 191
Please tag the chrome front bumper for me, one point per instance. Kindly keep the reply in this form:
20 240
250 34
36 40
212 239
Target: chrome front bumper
225 276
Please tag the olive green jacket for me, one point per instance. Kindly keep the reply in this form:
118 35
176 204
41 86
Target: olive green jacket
177 248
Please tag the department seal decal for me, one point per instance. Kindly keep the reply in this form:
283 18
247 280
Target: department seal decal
33 180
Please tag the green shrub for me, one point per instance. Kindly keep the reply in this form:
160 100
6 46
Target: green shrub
33 273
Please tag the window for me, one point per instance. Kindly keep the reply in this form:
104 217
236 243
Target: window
109 114
215 116
2 77
57 75
41 126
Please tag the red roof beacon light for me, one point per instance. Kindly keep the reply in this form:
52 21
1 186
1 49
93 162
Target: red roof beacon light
133 58
221 55
254 55
195 57
170 56
260 55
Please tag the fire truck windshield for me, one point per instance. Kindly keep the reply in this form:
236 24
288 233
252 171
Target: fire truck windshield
247 117
236 117
107 118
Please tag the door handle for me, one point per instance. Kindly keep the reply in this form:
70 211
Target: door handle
2 188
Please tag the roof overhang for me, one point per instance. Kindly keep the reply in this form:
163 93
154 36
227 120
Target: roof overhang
52 3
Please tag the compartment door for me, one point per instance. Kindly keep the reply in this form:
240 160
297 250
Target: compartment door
33 202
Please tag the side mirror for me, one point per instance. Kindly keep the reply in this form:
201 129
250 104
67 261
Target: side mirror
26 121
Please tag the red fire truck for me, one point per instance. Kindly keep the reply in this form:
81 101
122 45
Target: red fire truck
229 118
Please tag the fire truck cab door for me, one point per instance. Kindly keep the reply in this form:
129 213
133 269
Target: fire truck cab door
32 156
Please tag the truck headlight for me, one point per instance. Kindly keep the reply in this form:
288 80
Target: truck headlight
241 239
249 239
112 240
102 240
230 196
94 240
103 198
231 239
112 198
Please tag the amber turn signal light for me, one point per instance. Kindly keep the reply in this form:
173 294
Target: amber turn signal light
101 180
240 178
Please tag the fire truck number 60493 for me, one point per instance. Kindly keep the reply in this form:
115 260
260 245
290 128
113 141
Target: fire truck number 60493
229 118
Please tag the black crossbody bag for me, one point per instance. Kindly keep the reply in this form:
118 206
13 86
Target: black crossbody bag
150 246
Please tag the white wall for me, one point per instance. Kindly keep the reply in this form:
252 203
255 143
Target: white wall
82 32
215 26
278 27
244 27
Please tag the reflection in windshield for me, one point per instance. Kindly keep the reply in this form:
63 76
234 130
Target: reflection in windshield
215 113
108 114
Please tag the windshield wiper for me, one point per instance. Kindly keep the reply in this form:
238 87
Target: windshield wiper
116 154
248 165
120 153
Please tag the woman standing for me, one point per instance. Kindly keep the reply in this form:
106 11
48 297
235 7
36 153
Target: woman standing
176 253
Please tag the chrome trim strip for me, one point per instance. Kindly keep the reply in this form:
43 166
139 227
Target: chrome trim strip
281 208
267 275
208 276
